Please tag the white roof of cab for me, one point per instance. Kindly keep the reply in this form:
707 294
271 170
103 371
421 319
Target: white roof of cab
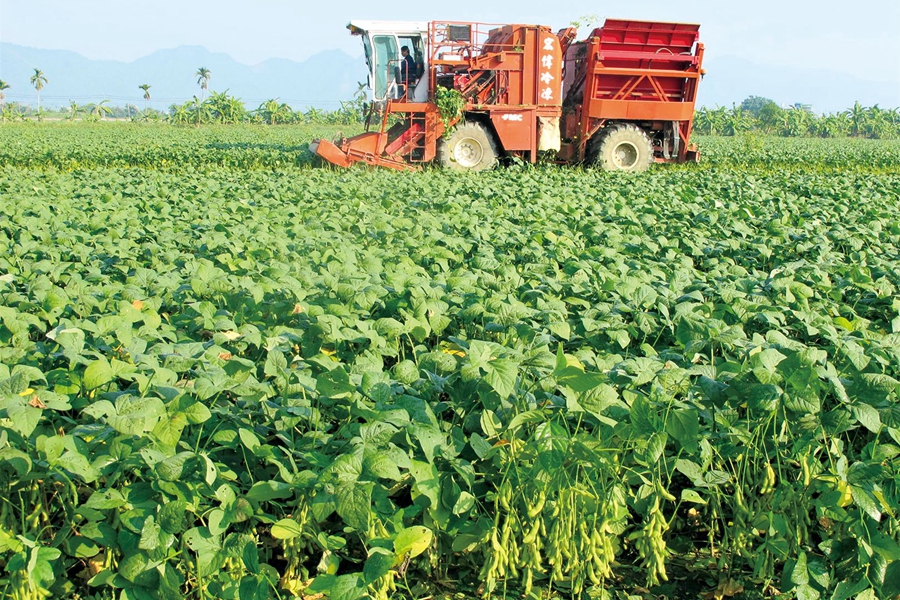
390 26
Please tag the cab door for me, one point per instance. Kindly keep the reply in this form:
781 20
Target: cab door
382 54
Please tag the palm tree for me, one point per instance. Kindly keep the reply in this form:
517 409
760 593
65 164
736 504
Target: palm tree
711 121
225 108
203 76
893 118
101 110
180 113
202 112
314 115
737 121
877 123
38 80
73 110
146 88
272 112
833 125
857 116
3 87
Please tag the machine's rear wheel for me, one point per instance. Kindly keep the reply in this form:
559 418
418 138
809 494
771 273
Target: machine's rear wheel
624 147
469 148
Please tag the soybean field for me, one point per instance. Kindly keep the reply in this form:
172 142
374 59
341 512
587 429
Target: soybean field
228 371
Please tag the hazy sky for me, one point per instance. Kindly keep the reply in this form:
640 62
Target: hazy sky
861 38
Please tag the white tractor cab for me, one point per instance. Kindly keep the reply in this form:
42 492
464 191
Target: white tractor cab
382 41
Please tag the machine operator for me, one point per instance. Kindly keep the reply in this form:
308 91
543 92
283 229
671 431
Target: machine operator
408 69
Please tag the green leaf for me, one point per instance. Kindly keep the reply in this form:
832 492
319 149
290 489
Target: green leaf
197 413
891 586
133 566
275 363
40 565
168 430
346 468
846 589
18 460
427 482
149 534
219 520
799 574
691 470
412 541
249 439
464 504
379 564
501 374
597 399
561 329
136 416
479 445
207 548
886 547
262 491
689 495
863 473
353 504
172 516
524 418
170 583
867 416
806 592
863 499
81 547
381 465
176 468
24 419
98 373
684 425
335 383
106 577
105 499
78 465
250 556
348 587
286 529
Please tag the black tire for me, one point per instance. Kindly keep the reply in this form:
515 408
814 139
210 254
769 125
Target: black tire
470 147
624 147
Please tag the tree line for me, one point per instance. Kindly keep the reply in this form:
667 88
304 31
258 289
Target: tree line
218 107
764 116
753 115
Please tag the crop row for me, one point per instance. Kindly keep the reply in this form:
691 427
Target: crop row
72 146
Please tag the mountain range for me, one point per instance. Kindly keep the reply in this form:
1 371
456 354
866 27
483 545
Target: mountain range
322 81
331 76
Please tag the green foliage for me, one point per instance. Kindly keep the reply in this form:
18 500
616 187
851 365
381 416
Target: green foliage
220 108
273 113
234 378
158 146
755 106
765 116
450 104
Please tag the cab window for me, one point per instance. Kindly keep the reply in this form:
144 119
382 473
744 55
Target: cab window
386 58
415 44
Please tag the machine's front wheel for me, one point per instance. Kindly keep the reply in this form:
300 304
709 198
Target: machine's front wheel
470 147
624 147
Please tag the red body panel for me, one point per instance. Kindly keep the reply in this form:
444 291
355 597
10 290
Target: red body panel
515 128
634 71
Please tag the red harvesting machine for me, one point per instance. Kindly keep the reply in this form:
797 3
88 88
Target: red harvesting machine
470 93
